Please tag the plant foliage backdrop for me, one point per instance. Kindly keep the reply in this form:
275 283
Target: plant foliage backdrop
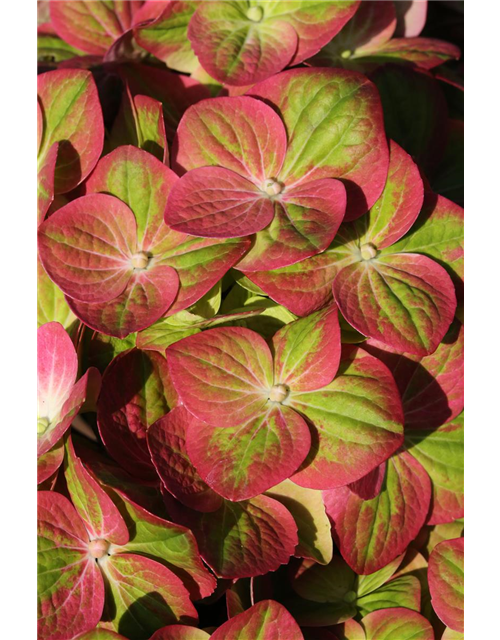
250 342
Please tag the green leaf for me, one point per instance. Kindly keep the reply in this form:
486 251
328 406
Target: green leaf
51 48
166 38
52 305
400 592
397 624
369 583
308 510
441 453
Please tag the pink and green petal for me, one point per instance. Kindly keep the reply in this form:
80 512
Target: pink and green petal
306 286
244 539
370 28
439 234
222 375
180 632
397 624
140 122
405 300
312 103
136 392
441 532
431 387
166 542
150 127
57 367
70 585
356 422
101 517
244 461
315 23
149 294
143 183
399 205
200 263
241 134
144 596
441 453
306 220
52 305
86 247
237 48
266 620
307 351
350 630
370 533
92 26
446 582
425 53
215 202
72 117
411 18
59 398
166 37
49 463
450 634
167 445
49 432
45 182
308 509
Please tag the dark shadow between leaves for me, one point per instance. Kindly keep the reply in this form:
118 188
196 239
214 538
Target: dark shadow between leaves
147 614
122 393
433 409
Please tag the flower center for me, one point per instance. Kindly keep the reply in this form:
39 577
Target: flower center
255 14
368 251
140 260
98 548
42 425
279 392
350 596
272 187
